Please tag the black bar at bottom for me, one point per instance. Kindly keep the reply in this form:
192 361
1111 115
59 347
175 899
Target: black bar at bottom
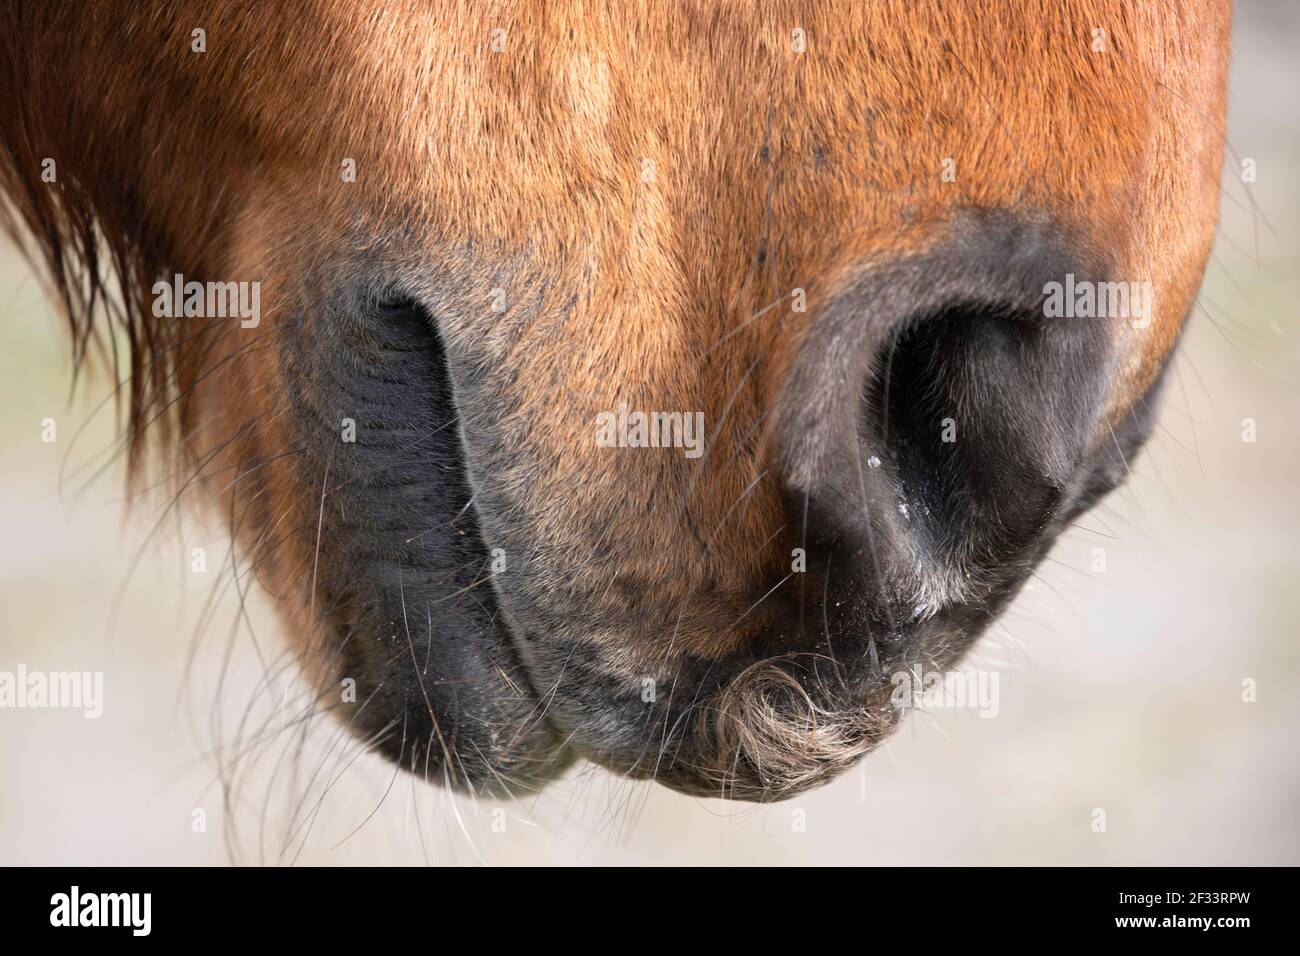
216 906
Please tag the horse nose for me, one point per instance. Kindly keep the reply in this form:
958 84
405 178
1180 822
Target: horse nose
932 426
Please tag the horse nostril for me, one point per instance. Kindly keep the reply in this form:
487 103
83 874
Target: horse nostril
934 425
980 417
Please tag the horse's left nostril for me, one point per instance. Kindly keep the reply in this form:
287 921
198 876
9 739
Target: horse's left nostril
979 418
933 428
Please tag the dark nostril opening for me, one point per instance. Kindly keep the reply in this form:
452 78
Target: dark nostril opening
963 414
935 427
976 417
965 437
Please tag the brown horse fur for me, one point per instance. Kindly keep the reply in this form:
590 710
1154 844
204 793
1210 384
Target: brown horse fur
644 186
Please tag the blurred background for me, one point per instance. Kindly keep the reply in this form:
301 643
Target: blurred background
1120 689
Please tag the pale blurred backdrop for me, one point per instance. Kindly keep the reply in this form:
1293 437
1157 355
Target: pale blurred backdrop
1120 690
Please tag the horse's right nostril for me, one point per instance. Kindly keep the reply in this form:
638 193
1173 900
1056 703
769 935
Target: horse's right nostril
934 425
